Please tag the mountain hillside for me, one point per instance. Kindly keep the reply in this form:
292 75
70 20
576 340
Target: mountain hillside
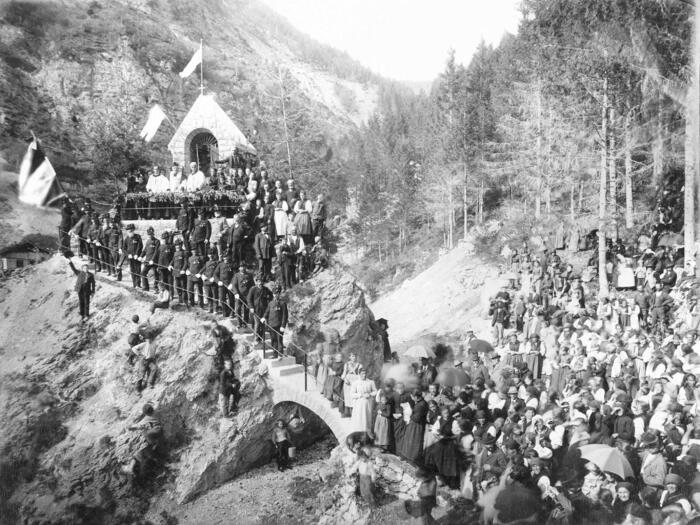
83 74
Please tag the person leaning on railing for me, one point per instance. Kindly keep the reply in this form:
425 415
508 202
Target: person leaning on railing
276 317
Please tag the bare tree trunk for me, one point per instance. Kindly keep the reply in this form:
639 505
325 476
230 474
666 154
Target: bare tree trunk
464 203
657 150
580 197
284 121
602 275
538 166
572 202
629 207
612 170
692 139
548 174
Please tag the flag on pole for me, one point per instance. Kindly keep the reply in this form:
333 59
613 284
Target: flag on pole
193 63
38 184
155 119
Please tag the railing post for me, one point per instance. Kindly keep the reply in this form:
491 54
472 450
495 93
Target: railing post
263 342
306 387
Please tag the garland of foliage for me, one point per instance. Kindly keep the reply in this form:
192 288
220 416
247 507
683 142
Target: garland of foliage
200 196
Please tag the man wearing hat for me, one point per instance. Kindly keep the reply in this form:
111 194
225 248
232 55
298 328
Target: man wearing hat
223 274
211 288
131 250
201 231
276 317
195 264
673 493
164 276
219 229
259 296
264 249
241 284
178 268
114 244
654 468
237 235
185 222
491 462
148 258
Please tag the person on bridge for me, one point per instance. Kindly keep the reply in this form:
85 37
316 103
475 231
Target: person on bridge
363 392
85 286
276 318
259 296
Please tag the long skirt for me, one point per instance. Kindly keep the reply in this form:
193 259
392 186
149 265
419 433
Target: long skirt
429 438
399 433
347 390
384 433
559 378
534 364
328 387
513 359
303 223
338 391
281 223
442 455
412 442
362 415
321 376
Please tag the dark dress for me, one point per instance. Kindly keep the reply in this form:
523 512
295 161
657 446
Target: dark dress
412 443
384 426
400 424
443 456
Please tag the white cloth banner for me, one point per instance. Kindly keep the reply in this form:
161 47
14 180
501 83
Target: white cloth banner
155 118
193 63
37 182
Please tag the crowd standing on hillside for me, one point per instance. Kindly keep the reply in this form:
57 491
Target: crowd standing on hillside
579 409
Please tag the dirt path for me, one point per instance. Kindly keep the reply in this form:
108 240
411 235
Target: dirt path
263 496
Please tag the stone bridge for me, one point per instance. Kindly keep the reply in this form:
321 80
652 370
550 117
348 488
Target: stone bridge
287 383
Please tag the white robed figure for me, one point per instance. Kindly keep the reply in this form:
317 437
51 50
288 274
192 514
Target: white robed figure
350 375
363 391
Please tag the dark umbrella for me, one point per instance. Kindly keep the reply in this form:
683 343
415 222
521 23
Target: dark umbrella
453 377
479 345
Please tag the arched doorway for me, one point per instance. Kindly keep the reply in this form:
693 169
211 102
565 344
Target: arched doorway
204 149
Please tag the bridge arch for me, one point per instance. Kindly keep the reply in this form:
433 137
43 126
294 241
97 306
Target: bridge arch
316 403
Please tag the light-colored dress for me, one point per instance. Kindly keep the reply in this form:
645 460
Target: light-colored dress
280 218
363 391
349 377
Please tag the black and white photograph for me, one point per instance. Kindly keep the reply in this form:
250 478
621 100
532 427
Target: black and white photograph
349 262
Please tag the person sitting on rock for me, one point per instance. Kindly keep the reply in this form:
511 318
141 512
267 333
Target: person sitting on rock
152 438
280 438
134 339
229 390
162 301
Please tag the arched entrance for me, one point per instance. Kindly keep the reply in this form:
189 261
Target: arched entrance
203 149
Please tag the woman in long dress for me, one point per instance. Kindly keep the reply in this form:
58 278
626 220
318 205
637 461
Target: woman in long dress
412 442
349 376
302 218
281 209
322 372
383 423
363 391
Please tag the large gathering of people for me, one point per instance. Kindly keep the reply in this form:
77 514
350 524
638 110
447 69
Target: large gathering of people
585 406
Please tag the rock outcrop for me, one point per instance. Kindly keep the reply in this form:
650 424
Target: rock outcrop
68 397
330 316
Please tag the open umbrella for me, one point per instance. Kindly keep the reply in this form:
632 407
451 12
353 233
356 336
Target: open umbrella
453 377
671 239
419 352
607 459
479 345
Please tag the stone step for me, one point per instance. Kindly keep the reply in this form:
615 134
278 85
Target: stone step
284 361
283 371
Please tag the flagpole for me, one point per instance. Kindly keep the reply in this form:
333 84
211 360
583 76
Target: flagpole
201 69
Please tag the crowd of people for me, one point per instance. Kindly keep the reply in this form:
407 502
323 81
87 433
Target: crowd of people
206 260
580 408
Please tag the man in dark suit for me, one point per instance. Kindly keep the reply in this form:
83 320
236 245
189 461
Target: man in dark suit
241 284
264 249
201 232
237 235
85 286
132 247
276 318
258 298
223 274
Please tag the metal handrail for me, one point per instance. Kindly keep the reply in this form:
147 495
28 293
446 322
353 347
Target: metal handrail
250 310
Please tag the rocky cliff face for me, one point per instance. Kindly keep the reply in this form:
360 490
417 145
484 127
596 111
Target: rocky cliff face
67 397
330 316
83 75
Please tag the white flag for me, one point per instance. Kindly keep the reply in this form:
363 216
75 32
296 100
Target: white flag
155 118
193 63
38 184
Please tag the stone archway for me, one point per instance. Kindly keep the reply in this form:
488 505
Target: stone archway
201 146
